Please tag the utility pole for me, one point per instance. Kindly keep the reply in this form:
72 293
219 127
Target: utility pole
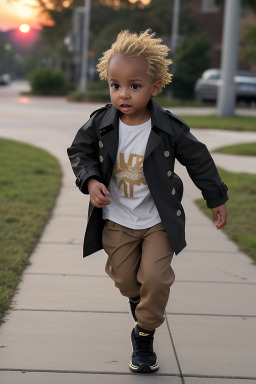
85 45
175 25
226 94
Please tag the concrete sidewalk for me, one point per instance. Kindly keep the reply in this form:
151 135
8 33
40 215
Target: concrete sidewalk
69 324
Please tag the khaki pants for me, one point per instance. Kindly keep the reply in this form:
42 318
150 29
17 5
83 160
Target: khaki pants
139 263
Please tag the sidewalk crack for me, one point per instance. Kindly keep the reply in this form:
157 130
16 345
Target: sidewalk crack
174 350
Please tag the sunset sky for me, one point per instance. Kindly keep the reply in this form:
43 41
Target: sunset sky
13 13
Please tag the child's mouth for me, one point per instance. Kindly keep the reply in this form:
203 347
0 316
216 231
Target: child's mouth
125 107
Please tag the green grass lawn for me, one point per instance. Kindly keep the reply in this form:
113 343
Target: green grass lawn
236 123
167 102
30 179
245 149
241 226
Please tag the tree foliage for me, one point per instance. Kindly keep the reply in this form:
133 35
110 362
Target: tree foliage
249 50
250 4
106 22
191 58
53 35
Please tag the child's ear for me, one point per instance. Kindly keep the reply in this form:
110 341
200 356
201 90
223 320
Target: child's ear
157 87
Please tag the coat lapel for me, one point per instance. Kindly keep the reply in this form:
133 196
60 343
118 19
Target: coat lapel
160 121
152 143
109 133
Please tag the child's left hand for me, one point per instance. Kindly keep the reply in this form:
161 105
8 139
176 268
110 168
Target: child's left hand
219 216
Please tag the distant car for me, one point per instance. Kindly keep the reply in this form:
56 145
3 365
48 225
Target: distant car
5 79
206 87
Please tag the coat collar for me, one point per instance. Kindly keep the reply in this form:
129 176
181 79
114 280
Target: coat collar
159 118
110 120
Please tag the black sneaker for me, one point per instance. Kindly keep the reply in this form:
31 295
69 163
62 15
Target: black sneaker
144 359
133 302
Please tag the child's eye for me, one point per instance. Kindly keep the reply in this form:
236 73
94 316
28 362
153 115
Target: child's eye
115 86
135 86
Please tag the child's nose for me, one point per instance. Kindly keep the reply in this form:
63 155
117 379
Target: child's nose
124 94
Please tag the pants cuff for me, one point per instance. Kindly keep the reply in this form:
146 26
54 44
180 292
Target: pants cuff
148 327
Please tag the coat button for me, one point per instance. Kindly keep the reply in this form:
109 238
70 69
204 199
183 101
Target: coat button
178 213
169 173
173 191
166 153
100 144
101 159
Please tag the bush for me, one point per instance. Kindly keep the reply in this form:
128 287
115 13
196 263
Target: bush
97 92
48 81
191 58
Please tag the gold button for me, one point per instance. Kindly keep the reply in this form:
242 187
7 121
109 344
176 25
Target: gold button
100 144
166 153
178 213
101 159
169 173
173 191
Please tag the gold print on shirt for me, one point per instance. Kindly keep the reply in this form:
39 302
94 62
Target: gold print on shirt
130 173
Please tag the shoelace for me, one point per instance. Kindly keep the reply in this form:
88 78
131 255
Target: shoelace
143 345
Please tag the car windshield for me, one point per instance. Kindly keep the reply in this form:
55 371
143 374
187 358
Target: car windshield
214 76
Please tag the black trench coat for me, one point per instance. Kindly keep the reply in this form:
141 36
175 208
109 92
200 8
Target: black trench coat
93 155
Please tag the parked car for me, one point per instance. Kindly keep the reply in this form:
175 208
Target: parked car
206 87
5 79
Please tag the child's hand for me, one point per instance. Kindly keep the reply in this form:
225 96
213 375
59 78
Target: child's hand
219 216
97 193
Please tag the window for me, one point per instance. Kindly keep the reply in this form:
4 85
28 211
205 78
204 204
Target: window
214 77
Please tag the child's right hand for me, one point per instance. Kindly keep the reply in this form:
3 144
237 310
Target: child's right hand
98 193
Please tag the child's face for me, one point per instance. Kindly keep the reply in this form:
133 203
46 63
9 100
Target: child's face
131 88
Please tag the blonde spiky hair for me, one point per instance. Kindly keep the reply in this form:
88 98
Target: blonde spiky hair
143 45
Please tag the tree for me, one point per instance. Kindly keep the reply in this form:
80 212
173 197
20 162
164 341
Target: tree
251 4
52 37
249 50
156 16
192 57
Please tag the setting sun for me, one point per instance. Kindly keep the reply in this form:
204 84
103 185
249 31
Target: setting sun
24 28
13 13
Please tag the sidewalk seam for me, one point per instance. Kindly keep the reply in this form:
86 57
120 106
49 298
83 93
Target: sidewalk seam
176 281
187 375
81 372
125 313
174 350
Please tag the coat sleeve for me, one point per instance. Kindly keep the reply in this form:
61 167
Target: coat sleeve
83 155
195 156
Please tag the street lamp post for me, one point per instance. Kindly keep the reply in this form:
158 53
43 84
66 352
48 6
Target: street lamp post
85 45
226 96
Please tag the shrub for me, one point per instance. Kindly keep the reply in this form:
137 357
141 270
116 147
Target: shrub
48 81
97 92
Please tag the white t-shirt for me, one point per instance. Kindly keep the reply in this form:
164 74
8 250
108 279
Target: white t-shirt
131 202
